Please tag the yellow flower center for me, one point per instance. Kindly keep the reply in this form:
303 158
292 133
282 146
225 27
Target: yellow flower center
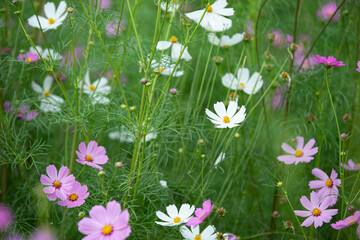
352 221
47 93
89 158
107 229
197 237
226 119
73 197
51 21
328 62
177 220
284 75
57 184
298 153
173 39
243 85
209 9
92 87
358 164
29 60
316 212
329 183
161 69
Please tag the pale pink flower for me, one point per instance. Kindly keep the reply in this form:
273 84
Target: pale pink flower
351 166
300 154
58 185
77 196
92 155
107 224
6 217
201 214
351 220
358 65
326 11
22 112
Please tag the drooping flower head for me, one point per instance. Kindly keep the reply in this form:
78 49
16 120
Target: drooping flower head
209 233
317 211
226 118
174 216
54 17
347 222
201 214
77 196
328 61
351 166
327 185
92 155
6 217
300 154
326 11
176 49
59 184
213 20
225 41
28 57
243 81
108 224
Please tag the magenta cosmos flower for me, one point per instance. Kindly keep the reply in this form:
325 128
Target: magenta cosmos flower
58 185
317 211
92 155
328 61
6 217
106 224
28 57
23 111
326 11
348 222
327 185
358 64
201 214
77 196
351 166
301 154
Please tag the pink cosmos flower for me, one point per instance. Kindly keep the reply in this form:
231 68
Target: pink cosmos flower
278 39
348 222
107 224
77 196
201 214
327 185
105 4
111 28
23 111
301 154
351 166
6 217
326 11
250 27
231 236
317 211
28 57
92 155
328 61
58 185
14 237
43 233
279 98
358 64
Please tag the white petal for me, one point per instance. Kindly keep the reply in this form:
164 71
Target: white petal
220 109
172 211
49 10
236 39
162 45
186 233
47 83
230 81
176 51
60 10
36 87
232 107
163 216
213 39
243 75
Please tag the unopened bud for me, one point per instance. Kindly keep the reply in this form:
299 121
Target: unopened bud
123 106
91 43
351 208
293 47
269 67
275 214
143 81
101 173
70 10
148 84
343 136
173 91
218 60
279 184
180 150
203 156
271 37
132 108
119 164
81 214
346 117
201 141
237 135
282 199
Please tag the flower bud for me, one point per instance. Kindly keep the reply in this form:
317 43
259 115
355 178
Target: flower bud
275 214
101 173
132 108
201 141
247 37
203 156
221 211
237 135
218 60
346 117
91 43
271 37
180 150
343 136
279 184
143 81
282 199
70 10
293 47
81 214
123 106
351 208
119 164
173 91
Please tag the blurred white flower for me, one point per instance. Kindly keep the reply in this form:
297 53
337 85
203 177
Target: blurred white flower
226 118
48 101
125 135
208 234
176 49
163 183
54 17
47 53
97 90
171 7
213 19
165 67
225 41
174 216
242 81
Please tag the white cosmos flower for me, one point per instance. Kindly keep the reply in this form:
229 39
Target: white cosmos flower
163 183
48 101
53 17
171 7
176 49
47 53
220 158
174 216
125 135
97 90
226 118
242 81
165 67
213 19
208 234
225 41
